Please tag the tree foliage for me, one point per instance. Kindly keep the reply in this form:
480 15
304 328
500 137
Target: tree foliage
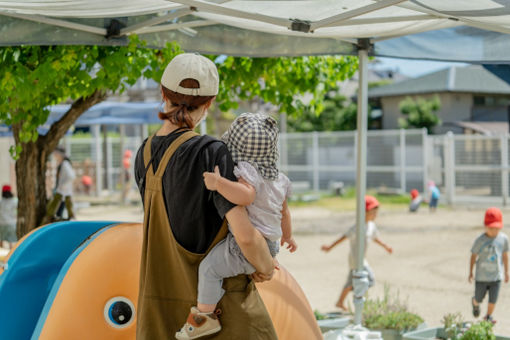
283 81
420 113
339 114
32 78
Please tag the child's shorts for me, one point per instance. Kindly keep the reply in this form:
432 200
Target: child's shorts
371 278
224 260
433 203
481 289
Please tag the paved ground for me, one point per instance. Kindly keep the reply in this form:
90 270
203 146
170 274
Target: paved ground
429 266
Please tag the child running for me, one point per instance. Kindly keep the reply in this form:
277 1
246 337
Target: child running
252 141
490 253
371 207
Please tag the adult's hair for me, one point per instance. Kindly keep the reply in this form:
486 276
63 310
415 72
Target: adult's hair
181 105
7 194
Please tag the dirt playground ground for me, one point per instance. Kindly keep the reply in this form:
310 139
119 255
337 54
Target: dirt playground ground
429 266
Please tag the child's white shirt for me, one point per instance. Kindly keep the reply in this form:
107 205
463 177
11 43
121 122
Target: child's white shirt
8 209
265 212
371 234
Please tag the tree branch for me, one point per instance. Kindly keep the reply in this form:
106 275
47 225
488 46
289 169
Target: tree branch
59 128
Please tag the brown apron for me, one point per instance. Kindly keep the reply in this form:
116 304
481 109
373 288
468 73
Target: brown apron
169 274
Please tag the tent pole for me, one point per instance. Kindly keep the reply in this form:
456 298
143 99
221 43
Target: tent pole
360 280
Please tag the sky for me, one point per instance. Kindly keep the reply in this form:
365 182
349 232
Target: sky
412 68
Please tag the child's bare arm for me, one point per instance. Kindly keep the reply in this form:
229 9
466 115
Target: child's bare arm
472 262
240 193
505 264
327 248
384 245
287 229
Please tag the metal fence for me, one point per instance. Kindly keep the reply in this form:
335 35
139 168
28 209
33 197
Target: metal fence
466 168
317 160
471 168
101 160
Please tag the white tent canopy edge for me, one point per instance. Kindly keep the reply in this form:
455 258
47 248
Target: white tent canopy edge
398 28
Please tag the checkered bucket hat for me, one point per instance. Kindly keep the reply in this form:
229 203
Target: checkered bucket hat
253 138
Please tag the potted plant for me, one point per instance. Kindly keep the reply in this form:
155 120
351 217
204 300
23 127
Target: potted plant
390 316
454 328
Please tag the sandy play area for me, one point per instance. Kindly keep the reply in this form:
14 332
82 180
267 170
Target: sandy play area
429 265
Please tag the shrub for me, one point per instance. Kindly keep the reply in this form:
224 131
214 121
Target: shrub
456 329
480 331
389 313
319 315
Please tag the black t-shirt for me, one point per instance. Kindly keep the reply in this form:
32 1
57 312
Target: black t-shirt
195 213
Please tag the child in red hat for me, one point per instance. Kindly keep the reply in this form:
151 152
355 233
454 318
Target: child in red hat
490 253
416 200
371 208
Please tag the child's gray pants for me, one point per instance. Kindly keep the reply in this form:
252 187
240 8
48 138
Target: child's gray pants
224 260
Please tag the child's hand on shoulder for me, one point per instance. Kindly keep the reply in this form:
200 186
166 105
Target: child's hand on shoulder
291 244
211 179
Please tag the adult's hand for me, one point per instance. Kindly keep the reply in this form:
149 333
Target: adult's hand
260 277
253 245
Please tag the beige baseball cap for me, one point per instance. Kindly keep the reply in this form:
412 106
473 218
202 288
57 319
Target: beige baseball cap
191 66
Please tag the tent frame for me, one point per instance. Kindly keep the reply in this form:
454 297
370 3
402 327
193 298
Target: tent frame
188 7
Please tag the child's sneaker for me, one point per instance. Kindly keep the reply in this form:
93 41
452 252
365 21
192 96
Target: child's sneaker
199 324
490 319
476 308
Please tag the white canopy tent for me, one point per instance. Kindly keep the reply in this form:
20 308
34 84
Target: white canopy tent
455 30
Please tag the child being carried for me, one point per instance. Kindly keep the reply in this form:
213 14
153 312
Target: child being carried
252 141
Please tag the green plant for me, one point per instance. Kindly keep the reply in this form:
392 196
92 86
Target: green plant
456 329
319 315
480 331
389 313
453 325
420 113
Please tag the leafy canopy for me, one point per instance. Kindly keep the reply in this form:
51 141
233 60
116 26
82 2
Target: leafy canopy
32 78
283 81
339 114
421 113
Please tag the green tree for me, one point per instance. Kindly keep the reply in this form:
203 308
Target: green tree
339 114
420 113
282 81
32 78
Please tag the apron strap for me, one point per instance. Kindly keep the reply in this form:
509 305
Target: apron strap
170 151
147 151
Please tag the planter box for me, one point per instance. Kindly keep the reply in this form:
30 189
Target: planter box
435 333
390 334
333 324
393 334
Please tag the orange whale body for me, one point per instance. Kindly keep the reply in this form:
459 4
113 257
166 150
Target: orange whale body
97 298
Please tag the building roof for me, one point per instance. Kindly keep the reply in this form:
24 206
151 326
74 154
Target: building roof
470 79
485 128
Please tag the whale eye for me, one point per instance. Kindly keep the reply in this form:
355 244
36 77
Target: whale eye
119 312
